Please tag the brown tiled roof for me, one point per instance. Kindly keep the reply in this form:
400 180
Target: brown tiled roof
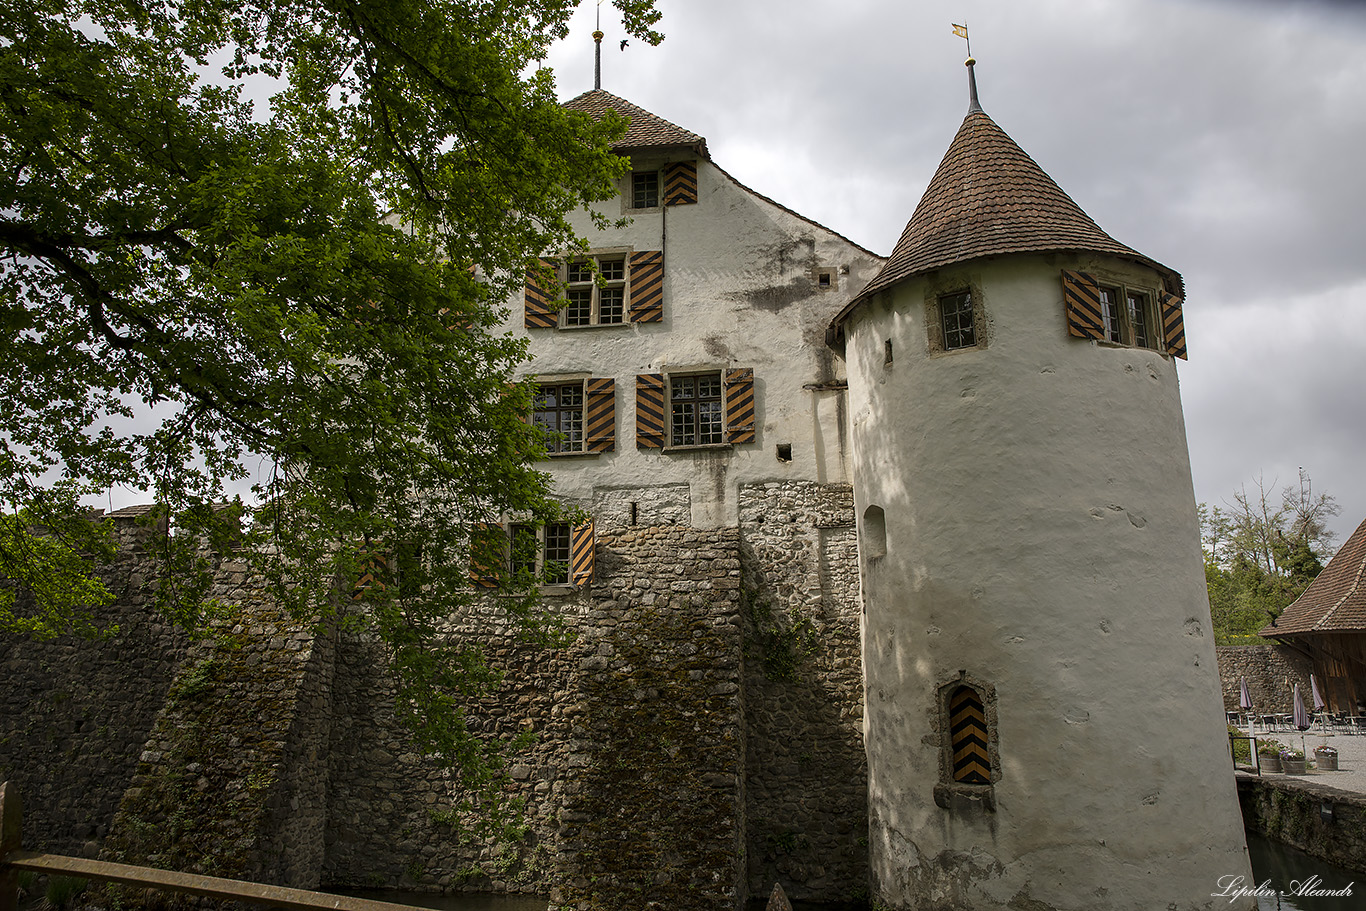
1336 600
646 130
988 198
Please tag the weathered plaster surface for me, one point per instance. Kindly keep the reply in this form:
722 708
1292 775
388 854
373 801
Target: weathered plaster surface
1041 535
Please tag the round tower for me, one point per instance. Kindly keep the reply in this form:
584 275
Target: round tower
1043 722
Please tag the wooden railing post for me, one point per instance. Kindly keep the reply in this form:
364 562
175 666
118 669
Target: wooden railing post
11 834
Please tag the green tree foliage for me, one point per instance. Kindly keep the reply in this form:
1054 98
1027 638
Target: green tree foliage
1261 552
173 245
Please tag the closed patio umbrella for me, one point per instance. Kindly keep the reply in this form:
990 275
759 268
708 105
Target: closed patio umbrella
1319 704
1299 713
1245 703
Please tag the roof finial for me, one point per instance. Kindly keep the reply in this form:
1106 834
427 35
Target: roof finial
962 32
597 49
973 104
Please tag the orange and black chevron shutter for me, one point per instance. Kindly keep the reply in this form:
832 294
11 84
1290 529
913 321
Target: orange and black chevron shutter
968 724
373 569
647 286
602 414
1173 327
740 405
1081 295
488 551
538 313
581 554
650 411
680 183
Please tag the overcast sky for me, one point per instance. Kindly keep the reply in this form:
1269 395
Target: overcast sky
1223 138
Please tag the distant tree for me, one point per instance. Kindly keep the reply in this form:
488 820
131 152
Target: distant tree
235 270
1261 552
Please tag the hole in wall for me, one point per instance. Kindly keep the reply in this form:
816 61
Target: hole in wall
874 538
784 452
887 353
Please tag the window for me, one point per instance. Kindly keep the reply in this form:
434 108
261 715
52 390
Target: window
695 409
539 556
1121 315
596 299
644 189
969 738
559 414
956 319
1126 316
606 289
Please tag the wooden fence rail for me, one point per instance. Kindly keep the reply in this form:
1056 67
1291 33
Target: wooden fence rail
13 859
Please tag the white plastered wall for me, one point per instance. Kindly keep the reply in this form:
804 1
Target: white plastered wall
1041 537
739 291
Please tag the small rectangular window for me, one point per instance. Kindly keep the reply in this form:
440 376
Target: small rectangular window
644 189
1111 313
1126 317
1138 320
956 316
558 412
695 408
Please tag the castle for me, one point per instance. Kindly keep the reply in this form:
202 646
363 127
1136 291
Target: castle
892 590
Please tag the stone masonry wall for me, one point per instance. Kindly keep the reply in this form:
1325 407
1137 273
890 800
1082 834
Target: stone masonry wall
1271 671
74 714
1291 812
230 781
632 785
806 776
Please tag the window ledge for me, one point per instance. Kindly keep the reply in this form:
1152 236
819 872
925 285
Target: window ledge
965 798
624 324
699 447
557 456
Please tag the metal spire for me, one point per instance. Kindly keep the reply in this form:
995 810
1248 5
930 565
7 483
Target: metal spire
597 49
962 32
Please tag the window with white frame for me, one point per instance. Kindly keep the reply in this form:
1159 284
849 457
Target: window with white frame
595 291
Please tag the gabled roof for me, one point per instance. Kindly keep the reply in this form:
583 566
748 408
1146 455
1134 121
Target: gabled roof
646 130
1336 600
988 198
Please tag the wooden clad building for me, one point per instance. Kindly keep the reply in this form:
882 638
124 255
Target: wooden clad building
1328 622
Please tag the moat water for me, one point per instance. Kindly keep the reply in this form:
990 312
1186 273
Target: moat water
1280 868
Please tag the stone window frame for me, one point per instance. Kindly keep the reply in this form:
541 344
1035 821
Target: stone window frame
638 185
956 796
934 321
551 540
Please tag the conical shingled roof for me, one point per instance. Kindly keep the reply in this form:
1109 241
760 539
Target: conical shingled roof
988 198
1336 600
646 130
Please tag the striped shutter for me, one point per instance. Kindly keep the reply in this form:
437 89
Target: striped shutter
968 727
488 552
538 314
1081 295
647 286
373 568
650 411
1173 327
581 554
680 183
602 414
740 405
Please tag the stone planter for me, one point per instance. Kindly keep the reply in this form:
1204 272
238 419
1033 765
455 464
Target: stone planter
1292 766
1326 761
1269 762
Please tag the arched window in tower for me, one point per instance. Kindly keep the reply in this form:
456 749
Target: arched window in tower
968 730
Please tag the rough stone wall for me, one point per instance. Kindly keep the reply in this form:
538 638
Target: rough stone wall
74 715
229 782
1271 670
632 786
1291 812
806 776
